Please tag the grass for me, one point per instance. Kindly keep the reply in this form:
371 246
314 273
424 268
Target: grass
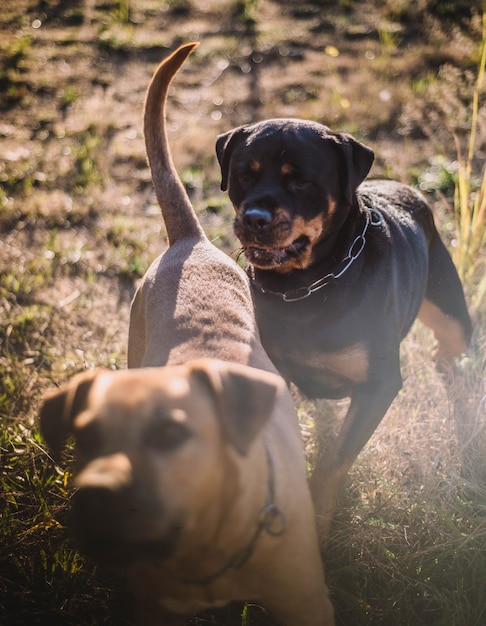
13 53
470 194
78 227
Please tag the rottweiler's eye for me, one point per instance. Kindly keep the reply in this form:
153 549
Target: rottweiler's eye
244 179
166 434
298 185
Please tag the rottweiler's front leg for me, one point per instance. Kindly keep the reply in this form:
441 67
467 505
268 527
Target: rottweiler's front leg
369 403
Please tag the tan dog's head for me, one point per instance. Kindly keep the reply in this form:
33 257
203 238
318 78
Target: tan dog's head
155 450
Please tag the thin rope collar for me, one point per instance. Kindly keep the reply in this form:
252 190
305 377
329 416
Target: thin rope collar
270 520
373 218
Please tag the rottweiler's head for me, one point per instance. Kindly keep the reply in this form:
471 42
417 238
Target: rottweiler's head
292 184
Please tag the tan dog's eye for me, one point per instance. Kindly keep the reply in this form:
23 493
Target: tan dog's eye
166 435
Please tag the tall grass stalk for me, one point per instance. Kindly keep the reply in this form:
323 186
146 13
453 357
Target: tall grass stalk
470 198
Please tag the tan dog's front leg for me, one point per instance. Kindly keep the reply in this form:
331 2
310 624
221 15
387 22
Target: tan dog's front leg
295 590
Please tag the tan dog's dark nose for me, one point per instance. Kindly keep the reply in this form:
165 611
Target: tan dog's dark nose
99 509
90 505
100 504
97 518
111 526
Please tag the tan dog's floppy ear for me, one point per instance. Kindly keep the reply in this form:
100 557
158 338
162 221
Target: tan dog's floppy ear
225 145
60 406
358 159
244 398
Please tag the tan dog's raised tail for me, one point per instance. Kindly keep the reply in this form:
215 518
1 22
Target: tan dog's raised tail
190 469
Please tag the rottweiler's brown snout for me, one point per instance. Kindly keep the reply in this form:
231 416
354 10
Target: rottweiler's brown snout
265 221
273 238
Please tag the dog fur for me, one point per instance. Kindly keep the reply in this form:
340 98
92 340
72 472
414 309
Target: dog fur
191 474
340 270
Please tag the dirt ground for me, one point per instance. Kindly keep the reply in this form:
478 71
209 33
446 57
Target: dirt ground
79 222
73 85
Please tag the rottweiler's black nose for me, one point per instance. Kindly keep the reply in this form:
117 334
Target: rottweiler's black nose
256 218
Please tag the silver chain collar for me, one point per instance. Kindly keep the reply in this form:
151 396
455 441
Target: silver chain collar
373 218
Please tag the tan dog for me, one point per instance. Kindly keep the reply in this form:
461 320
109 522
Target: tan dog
192 477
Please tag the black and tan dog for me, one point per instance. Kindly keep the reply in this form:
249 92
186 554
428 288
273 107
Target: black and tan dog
191 473
340 270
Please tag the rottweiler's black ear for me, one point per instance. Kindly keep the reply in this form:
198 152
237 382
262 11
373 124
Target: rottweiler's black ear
358 159
225 144
60 406
244 398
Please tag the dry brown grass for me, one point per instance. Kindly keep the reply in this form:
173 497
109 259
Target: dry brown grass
413 513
